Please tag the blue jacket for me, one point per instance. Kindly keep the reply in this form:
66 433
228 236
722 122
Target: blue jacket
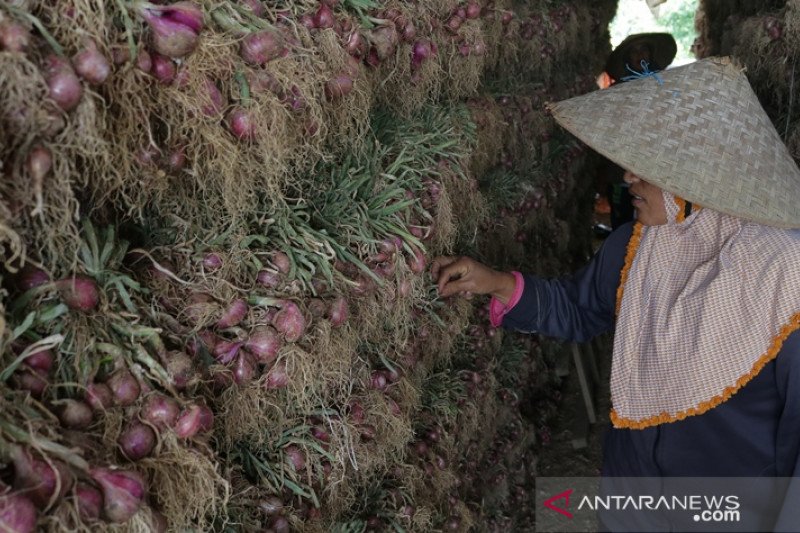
755 433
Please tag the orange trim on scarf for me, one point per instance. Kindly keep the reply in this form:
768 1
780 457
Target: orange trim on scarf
681 209
681 216
633 245
665 418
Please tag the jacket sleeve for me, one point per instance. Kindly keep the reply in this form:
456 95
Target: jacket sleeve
787 445
576 307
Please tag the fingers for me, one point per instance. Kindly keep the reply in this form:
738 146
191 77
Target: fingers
453 278
459 276
440 262
458 286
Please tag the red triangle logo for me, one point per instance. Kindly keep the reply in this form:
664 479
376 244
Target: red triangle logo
563 496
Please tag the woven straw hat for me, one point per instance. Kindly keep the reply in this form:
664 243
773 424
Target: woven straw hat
697 131
662 46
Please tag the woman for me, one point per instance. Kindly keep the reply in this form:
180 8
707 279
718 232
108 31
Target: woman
703 292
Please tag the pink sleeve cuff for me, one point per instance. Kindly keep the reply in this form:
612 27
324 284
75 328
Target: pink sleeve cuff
496 308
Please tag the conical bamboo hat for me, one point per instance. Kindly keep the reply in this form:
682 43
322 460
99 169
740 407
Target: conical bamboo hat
697 131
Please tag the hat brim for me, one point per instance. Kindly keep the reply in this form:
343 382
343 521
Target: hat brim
663 46
697 131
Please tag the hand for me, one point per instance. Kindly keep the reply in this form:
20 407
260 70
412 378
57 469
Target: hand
460 275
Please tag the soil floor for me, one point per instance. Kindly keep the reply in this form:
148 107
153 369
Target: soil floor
560 458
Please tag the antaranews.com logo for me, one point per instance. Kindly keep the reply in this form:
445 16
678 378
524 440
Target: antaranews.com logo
658 504
703 508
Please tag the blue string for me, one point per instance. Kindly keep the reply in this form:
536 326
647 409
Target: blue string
645 73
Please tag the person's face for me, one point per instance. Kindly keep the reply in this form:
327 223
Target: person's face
637 54
647 200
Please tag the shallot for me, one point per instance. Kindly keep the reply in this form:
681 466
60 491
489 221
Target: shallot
174 28
338 87
225 351
262 47
268 279
264 343
163 68
91 64
90 501
123 492
64 86
42 480
271 505
17 514
282 262
323 18
295 457
277 378
214 98
160 411
255 6
75 414
290 321
80 293
30 277
234 314
212 261
13 37
241 124
38 163
180 368
41 361
99 396
31 381
244 368
189 422
124 387
384 41
473 10
417 262
137 441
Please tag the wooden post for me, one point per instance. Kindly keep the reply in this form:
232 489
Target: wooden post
587 389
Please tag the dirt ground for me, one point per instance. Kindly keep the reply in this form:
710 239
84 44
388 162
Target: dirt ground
559 458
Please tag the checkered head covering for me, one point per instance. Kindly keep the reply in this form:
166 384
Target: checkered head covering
705 302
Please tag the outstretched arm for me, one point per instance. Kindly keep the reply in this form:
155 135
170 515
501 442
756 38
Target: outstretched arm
575 308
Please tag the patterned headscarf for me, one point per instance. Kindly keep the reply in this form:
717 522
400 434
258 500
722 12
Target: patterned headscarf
705 301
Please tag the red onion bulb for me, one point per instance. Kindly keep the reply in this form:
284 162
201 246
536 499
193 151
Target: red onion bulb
17 514
64 86
234 314
262 47
75 414
174 28
338 87
124 387
338 312
241 124
137 441
13 37
123 492
265 343
91 64
290 321
161 411
277 378
80 293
